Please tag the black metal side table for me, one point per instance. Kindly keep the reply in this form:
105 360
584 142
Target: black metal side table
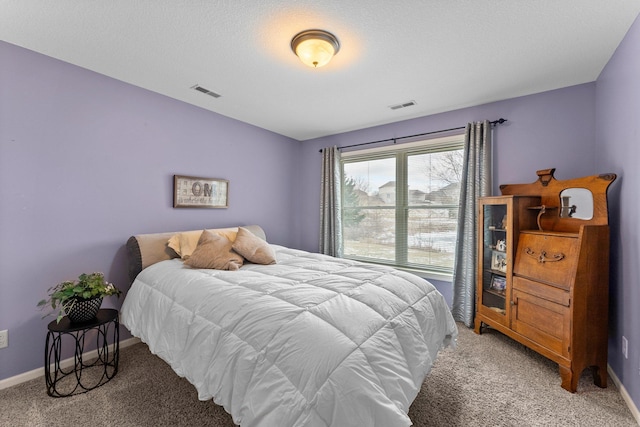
60 382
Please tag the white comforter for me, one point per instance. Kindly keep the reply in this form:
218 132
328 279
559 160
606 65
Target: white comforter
310 341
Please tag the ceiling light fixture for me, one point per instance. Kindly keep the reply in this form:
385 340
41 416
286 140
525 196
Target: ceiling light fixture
315 48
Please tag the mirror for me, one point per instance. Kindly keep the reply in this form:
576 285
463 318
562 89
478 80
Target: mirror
576 203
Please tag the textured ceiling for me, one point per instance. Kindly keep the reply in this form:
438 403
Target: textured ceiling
443 55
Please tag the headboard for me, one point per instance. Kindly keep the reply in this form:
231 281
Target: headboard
146 249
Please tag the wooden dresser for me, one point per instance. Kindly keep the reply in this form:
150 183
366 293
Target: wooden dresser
543 270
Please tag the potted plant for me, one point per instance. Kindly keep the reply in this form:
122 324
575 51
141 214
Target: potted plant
79 299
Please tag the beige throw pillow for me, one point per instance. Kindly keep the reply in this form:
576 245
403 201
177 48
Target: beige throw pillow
214 251
253 248
185 243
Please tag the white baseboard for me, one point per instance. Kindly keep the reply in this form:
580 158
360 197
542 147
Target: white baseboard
39 372
625 396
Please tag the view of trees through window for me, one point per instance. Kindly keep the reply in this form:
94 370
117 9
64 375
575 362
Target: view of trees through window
402 208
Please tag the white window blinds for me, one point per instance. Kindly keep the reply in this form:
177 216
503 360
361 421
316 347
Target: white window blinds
400 204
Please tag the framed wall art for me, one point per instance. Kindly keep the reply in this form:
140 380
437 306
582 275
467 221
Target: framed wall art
197 192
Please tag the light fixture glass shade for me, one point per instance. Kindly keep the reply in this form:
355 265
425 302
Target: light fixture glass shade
315 48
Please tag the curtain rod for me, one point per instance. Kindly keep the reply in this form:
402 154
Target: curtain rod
495 122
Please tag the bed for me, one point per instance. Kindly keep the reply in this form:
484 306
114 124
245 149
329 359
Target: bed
309 340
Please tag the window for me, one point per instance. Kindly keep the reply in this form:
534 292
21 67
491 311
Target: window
400 204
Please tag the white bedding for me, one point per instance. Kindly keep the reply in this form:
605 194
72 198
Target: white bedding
310 341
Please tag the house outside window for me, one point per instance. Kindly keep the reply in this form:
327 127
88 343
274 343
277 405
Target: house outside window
400 205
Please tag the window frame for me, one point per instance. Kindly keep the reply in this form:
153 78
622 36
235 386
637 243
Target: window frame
401 153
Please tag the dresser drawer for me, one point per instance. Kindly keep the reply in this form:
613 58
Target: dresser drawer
547 258
540 290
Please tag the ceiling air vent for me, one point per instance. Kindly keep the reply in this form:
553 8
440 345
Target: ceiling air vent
206 91
403 105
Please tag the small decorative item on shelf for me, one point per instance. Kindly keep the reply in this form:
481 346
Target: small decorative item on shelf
504 222
499 261
498 283
79 299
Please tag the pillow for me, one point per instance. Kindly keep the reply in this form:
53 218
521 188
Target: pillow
185 243
253 248
214 251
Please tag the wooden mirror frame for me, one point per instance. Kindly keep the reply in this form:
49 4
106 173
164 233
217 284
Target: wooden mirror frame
549 189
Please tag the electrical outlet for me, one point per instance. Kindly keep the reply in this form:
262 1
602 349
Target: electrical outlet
625 347
4 338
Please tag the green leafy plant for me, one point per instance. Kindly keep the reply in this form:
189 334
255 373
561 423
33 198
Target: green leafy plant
63 296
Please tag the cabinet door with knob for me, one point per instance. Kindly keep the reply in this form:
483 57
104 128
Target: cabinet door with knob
542 313
500 218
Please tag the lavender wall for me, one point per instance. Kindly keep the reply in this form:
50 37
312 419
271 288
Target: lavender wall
86 161
551 129
618 139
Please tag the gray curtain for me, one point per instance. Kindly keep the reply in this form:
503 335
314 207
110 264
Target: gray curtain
330 200
476 182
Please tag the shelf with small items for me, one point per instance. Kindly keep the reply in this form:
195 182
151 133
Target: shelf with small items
497 272
496 292
498 236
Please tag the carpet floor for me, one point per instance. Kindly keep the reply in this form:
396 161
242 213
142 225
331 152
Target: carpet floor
488 380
